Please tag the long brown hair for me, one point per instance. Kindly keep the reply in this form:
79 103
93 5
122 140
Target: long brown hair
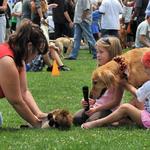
27 32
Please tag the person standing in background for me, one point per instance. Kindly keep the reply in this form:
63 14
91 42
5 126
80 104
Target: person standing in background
139 10
59 18
17 11
26 9
3 7
69 15
82 26
110 22
96 16
142 33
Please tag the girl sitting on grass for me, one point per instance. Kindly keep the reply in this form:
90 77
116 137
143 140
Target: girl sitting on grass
140 117
107 49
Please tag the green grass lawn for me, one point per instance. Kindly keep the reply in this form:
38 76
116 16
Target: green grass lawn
65 91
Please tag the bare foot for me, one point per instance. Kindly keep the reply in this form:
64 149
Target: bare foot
88 125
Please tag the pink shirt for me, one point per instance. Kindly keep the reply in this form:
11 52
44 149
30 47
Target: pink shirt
105 98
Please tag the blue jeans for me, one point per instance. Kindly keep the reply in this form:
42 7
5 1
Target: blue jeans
82 29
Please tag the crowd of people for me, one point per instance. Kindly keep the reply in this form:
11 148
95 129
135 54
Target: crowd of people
100 29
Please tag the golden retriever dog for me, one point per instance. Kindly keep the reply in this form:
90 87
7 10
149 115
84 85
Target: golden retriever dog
109 74
58 118
61 43
65 42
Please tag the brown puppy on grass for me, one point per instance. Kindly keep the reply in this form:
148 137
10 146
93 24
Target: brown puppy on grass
58 118
109 74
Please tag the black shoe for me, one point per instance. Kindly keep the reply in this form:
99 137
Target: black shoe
64 68
49 68
70 58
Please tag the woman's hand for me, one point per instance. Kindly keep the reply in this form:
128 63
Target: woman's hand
42 116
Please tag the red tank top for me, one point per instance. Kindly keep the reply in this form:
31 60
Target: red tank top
5 51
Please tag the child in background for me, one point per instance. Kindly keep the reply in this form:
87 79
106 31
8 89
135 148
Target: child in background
127 12
140 117
96 15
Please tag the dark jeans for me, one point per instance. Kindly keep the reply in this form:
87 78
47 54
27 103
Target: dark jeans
106 32
60 30
80 117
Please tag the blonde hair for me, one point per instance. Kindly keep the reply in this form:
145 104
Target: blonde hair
112 44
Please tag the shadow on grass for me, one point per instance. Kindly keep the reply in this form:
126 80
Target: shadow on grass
11 129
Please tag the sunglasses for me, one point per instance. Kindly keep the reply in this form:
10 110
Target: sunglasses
106 40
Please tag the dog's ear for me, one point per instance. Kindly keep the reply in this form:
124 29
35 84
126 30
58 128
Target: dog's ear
108 78
49 116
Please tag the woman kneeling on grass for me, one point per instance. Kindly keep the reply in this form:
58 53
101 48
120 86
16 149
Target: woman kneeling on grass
21 48
107 48
140 117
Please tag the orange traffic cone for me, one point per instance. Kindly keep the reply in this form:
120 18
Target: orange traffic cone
55 70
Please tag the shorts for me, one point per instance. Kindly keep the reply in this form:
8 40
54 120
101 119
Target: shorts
145 117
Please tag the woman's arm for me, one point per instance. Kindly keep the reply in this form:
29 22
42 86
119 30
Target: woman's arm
27 96
10 84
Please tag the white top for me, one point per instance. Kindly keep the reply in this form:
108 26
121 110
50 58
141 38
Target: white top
18 9
51 23
143 95
110 18
127 11
143 29
81 6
